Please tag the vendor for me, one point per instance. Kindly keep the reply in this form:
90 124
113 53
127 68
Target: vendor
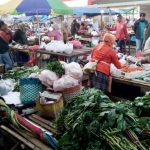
82 27
5 39
99 79
56 33
74 27
121 31
20 37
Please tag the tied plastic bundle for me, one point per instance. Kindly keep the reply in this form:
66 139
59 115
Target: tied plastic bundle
65 82
76 44
74 70
48 77
59 46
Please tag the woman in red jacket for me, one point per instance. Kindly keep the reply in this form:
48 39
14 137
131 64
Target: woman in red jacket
107 55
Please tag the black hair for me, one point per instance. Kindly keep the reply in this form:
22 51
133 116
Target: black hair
74 20
142 14
82 24
2 23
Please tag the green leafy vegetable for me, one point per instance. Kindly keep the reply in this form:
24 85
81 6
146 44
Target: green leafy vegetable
56 67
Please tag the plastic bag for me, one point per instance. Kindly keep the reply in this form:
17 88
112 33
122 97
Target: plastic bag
113 70
76 44
48 77
4 87
74 70
139 54
64 82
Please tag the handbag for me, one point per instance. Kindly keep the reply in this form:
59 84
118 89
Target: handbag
90 67
29 90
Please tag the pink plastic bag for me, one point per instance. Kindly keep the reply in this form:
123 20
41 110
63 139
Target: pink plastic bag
139 54
34 48
76 44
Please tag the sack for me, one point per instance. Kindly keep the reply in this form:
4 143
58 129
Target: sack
29 90
90 67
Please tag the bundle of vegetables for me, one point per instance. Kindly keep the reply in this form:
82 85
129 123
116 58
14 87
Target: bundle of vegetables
145 77
128 68
141 105
56 67
20 72
92 121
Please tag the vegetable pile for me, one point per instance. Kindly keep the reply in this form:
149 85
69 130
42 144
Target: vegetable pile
145 77
19 73
127 68
91 121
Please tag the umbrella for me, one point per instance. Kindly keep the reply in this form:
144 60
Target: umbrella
26 127
41 7
9 7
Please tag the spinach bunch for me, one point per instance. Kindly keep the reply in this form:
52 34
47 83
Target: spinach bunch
56 67
91 119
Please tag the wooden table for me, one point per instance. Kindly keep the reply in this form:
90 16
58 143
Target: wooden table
74 54
128 89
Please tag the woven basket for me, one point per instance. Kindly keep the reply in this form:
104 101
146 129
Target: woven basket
71 93
49 110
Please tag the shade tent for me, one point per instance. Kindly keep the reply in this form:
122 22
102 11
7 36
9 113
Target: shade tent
9 7
40 7
90 12
43 18
26 18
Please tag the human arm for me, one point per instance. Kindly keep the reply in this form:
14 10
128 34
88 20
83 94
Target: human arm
111 29
5 36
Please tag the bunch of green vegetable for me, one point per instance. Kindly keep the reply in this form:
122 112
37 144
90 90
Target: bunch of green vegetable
91 121
18 73
141 105
56 67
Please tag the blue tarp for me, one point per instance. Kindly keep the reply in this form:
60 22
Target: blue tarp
43 18
26 18
90 12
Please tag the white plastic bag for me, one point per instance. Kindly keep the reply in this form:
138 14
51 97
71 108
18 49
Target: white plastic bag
113 70
48 77
64 82
74 70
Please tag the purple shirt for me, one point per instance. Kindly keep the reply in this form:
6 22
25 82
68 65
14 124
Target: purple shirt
56 34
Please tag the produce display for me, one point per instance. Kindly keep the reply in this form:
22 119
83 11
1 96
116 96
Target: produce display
56 67
127 68
91 121
18 73
145 77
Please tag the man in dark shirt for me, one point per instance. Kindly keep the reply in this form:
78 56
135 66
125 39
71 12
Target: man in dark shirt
5 39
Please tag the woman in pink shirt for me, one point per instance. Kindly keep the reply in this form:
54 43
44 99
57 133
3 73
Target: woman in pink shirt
121 31
56 33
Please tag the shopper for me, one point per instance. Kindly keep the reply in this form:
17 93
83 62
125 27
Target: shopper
5 39
138 28
20 37
56 33
121 31
103 50
74 27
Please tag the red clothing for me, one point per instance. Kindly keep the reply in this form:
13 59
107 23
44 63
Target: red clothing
111 57
121 30
82 28
6 36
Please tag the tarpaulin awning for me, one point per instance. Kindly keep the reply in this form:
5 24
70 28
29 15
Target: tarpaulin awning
90 12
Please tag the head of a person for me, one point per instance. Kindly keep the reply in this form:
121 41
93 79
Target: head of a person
119 18
82 24
56 26
127 20
142 16
2 25
109 39
21 26
74 21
